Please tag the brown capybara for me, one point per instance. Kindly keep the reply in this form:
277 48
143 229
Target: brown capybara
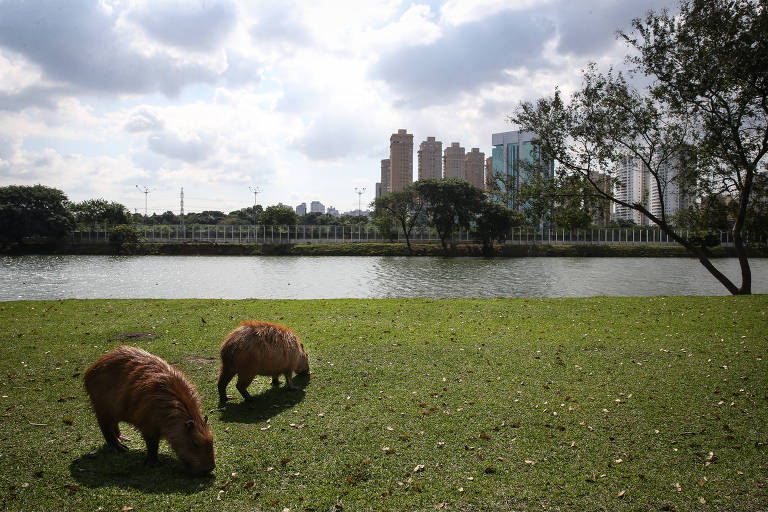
260 348
130 384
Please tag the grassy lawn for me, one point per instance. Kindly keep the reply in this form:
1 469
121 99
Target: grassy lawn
572 404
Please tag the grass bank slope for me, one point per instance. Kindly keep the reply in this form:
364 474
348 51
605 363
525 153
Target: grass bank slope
573 404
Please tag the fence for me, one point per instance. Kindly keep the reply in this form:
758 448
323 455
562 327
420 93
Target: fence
361 234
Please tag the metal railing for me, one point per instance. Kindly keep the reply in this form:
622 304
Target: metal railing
249 234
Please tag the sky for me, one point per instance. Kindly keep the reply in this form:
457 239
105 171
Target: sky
297 100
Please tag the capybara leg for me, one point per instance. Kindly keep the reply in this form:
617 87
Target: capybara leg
243 382
152 446
288 380
224 377
111 434
276 381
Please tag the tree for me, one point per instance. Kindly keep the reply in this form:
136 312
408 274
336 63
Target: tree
567 201
403 207
699 123
494 222
29 211
100 211
124 238
450 203
280 216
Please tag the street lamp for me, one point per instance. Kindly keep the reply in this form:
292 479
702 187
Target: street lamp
359 192
256 191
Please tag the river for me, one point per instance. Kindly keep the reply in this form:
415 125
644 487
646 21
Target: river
302 277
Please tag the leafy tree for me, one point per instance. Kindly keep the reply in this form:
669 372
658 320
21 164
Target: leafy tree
494 222
280 216
450 203
124 238
702 114
29 211
205 217
567 201
403 207
100 211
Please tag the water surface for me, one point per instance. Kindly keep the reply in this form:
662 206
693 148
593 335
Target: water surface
303 277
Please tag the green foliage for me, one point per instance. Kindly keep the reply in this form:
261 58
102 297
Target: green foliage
124 238
402 208
450 203
33 211
280 216
100 211
467 389
494 222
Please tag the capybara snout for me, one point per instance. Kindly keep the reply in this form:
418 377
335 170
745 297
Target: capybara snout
260 348
195 449
130 384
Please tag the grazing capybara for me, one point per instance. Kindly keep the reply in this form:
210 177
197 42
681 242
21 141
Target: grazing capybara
130 384
260 348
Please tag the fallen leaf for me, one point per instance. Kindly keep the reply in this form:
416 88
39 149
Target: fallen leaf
418 468
68 421
678 487
621 494
126 508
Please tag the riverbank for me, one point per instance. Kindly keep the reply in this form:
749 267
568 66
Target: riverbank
566 404
370 249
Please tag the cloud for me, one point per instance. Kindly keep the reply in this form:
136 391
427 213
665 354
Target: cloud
279 22
202 27
143 121
590 28
191 150
334 136
465 57
77 42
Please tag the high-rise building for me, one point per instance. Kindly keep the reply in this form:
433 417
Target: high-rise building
631 187
316 207
378 190
474 164
673 196
488 178
515 158
301 209
453 162
400 160
332 211
386 186
430 162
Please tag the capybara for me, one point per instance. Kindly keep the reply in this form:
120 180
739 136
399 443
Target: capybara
130 384
260 348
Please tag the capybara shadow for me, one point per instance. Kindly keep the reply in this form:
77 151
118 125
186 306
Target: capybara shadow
265 405
260 348
105 467
128 384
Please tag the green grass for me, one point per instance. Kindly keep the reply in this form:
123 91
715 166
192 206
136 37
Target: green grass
572 404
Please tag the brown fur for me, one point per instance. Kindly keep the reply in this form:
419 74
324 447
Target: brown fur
260 348
130 384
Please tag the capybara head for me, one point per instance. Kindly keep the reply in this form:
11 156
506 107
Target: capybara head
193 443
302 363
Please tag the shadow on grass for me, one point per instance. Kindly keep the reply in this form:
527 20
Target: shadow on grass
265 405
104 467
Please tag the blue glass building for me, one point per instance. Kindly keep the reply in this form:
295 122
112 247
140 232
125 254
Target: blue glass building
510 151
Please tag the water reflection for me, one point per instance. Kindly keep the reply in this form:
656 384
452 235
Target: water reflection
56 277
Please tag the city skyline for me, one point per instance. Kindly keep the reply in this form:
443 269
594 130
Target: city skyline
293 98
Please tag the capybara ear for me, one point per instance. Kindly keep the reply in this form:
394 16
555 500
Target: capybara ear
205 419
189 424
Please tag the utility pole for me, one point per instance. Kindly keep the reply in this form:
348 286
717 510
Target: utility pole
359 192
145 190
182 209
256 190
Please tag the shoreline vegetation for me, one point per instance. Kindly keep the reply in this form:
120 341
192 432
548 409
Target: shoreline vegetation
602 403
367 249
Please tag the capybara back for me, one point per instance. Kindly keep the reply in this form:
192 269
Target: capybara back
130 384
260 348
